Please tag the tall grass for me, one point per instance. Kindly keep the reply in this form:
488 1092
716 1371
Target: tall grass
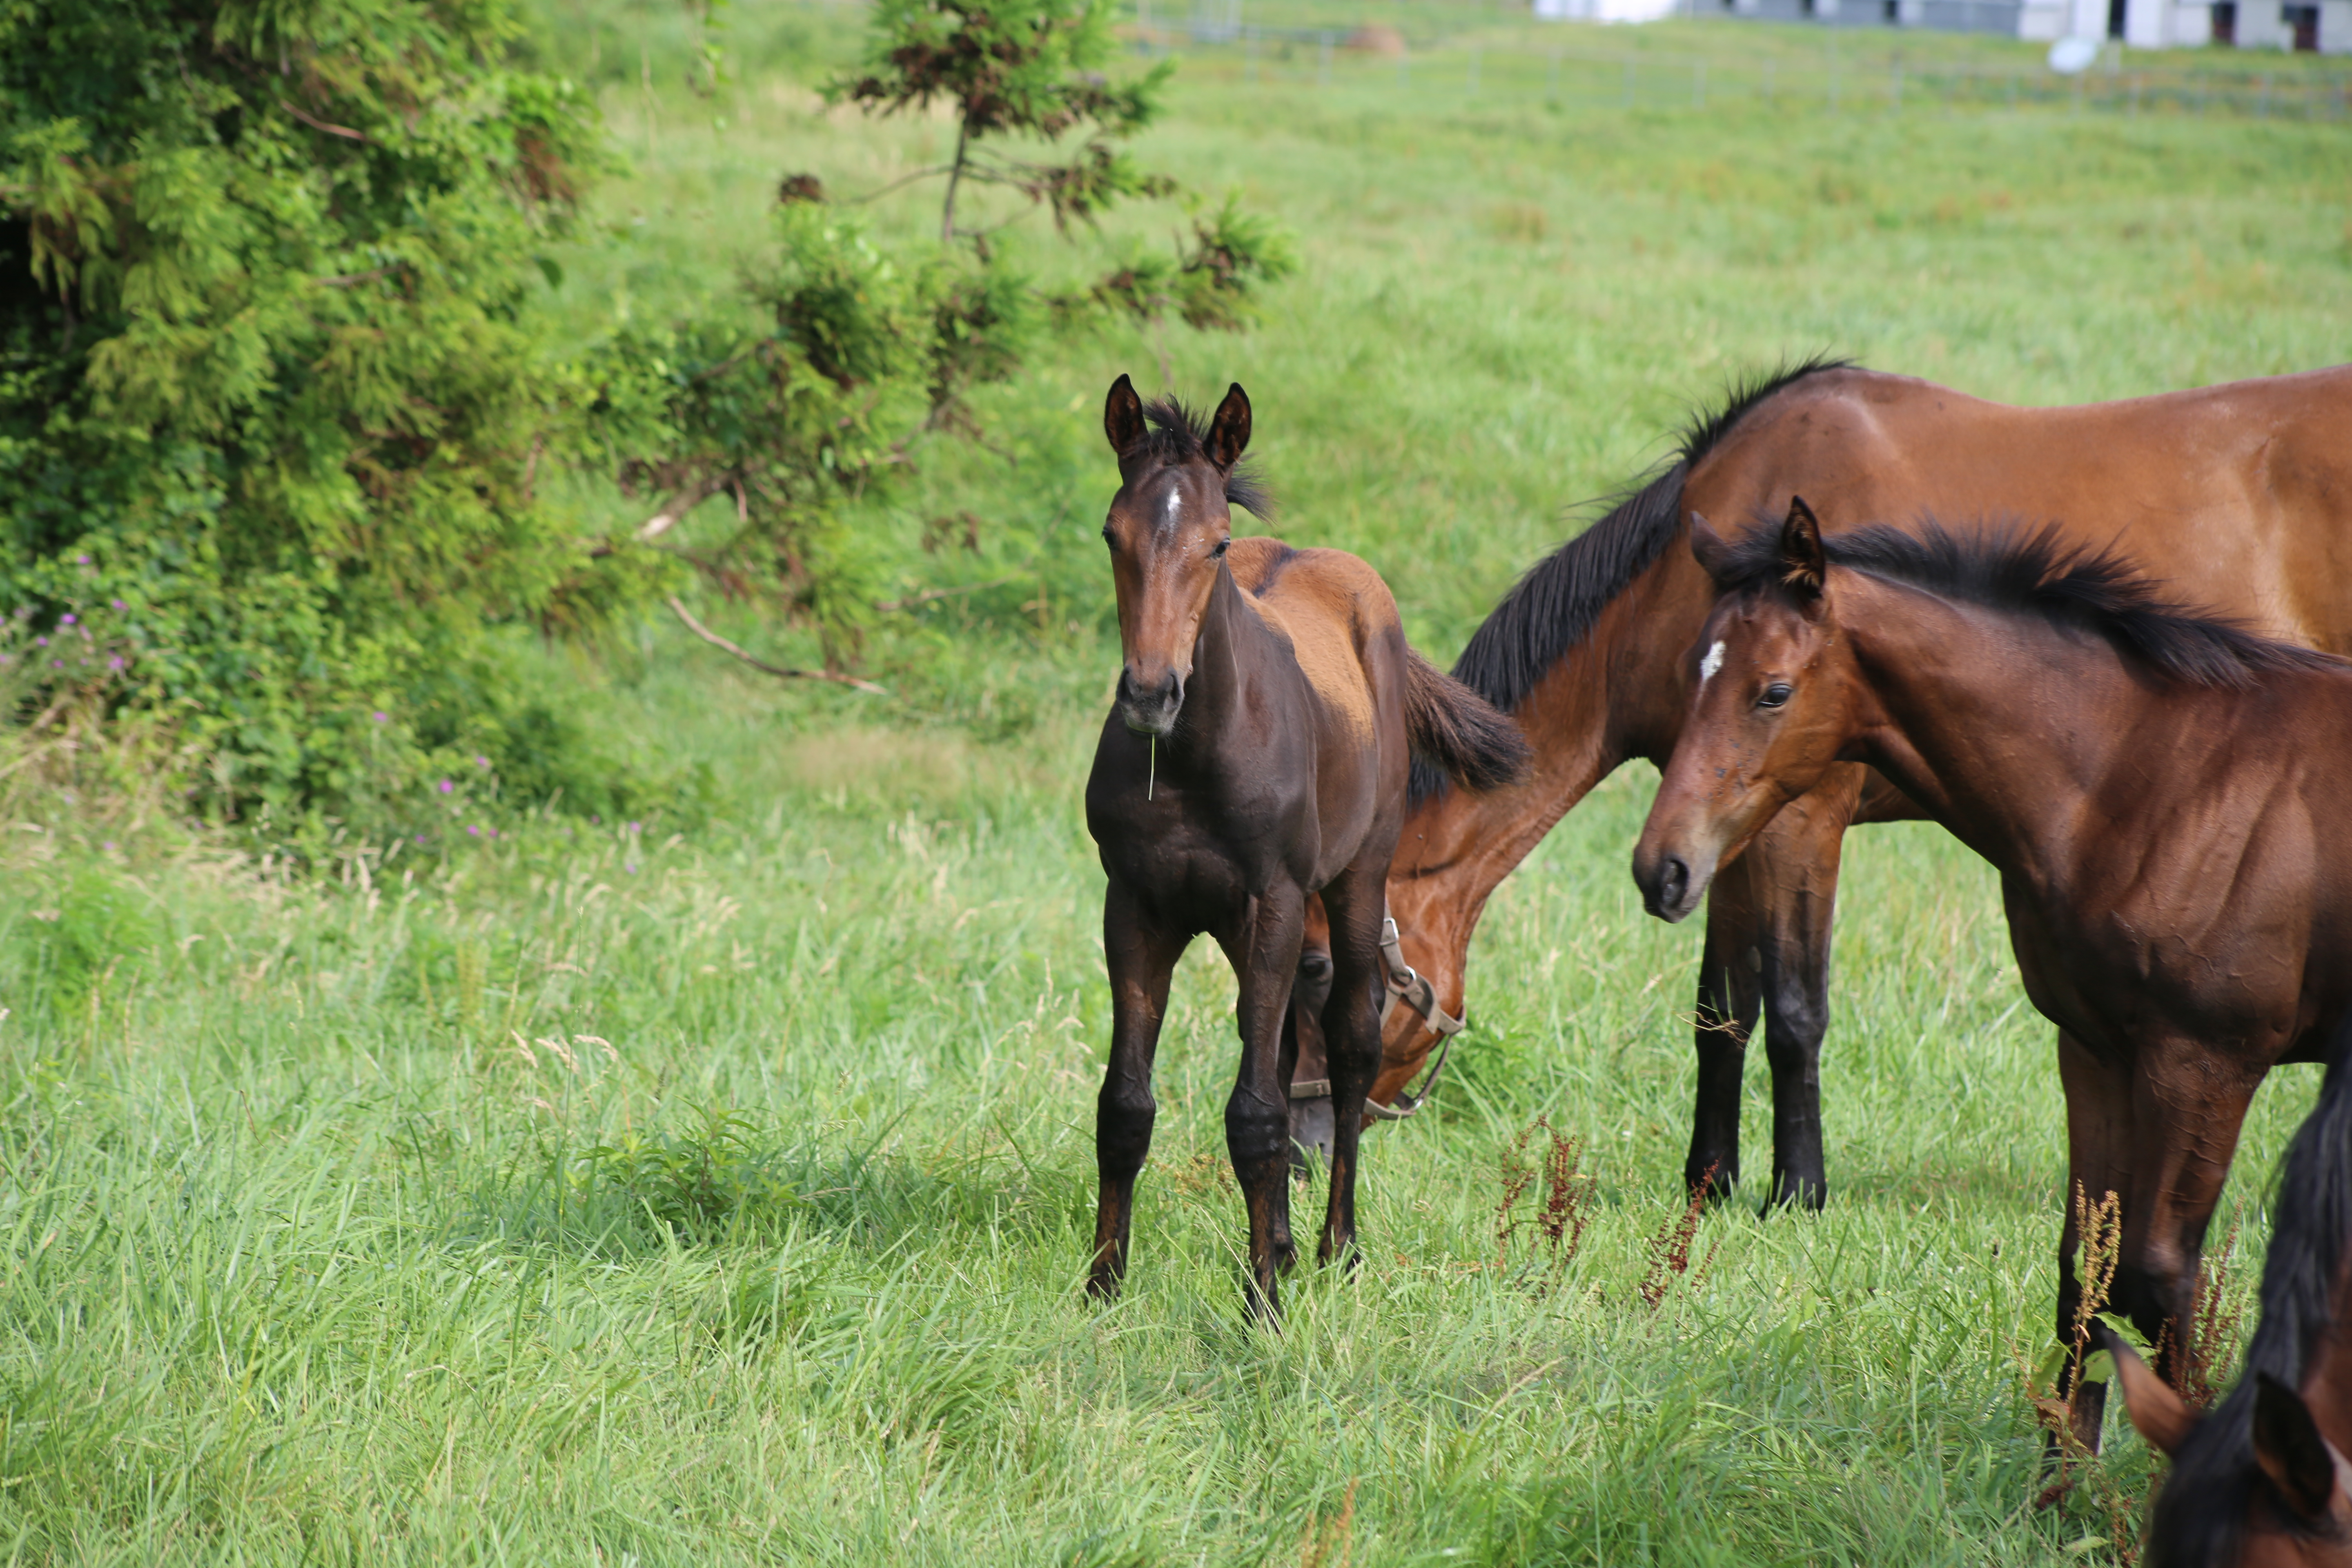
611 1192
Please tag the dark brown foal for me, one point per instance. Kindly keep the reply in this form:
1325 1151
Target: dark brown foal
1257 753
2157 789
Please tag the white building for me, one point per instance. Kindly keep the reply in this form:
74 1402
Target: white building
2322 25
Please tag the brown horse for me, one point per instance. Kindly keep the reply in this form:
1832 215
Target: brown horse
2263 1479
2245 489
2157 789
1258 753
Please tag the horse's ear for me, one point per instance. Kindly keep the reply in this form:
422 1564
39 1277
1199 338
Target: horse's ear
2159 1414
2292 1453
1803 564
1711 549
1229 431
1123 418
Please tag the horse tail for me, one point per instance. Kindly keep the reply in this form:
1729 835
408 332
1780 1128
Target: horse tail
1457 732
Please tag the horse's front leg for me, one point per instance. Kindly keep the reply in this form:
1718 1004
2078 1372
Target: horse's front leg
2098 1162
1140 958
1351 1033
1726 1015
1264 954
1793 879
2187 1109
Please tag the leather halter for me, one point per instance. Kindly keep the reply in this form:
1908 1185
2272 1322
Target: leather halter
1403 984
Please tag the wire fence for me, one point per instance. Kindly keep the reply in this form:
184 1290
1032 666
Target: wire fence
1570 75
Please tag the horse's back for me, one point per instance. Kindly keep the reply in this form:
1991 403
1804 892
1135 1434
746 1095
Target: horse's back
1333 606
2238 494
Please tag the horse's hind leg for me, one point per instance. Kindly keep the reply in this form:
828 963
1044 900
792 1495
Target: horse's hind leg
1264 955
1728 997
1351 1035
1141 959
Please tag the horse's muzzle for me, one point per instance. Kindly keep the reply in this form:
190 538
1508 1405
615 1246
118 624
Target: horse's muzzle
1668 889
1149 710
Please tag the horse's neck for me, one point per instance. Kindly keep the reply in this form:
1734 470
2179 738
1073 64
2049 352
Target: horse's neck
1999 726
1228 654
1583 723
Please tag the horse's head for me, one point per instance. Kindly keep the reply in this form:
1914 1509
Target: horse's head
2294 1511
1772 705
1168 530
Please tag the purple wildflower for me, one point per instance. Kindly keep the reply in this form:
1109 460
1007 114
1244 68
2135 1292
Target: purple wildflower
447 786
481 761
118 603
381 716
114 663
473 833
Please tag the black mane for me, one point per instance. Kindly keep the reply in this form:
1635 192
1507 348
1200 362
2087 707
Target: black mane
2203 1510
1549 611
1178 434
2041 572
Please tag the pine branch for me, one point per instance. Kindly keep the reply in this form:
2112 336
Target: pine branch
679 608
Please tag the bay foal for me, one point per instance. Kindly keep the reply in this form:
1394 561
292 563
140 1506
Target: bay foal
2160 791
1257 753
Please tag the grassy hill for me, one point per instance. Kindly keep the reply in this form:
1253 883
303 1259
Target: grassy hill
662 1193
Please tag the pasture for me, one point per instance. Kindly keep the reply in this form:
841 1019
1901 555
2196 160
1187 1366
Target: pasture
720 1188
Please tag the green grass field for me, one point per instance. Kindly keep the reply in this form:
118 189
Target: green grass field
719 1190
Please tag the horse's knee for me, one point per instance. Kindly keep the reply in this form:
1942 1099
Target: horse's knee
1255 1130
1123 1121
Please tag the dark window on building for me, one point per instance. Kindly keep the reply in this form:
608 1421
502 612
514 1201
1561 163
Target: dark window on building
1894 11
2304 20
2115 18
2225 22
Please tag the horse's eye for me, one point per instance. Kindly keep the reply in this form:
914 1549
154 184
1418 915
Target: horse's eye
1222 545
1777 693
1108 538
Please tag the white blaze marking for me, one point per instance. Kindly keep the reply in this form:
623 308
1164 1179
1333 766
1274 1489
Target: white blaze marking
1709 665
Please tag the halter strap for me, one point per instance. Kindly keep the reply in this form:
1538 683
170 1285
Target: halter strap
1403 984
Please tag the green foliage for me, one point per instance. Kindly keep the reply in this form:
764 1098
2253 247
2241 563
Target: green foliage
1014 68
1210 284
724 1178
75 937
790 422
273 414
